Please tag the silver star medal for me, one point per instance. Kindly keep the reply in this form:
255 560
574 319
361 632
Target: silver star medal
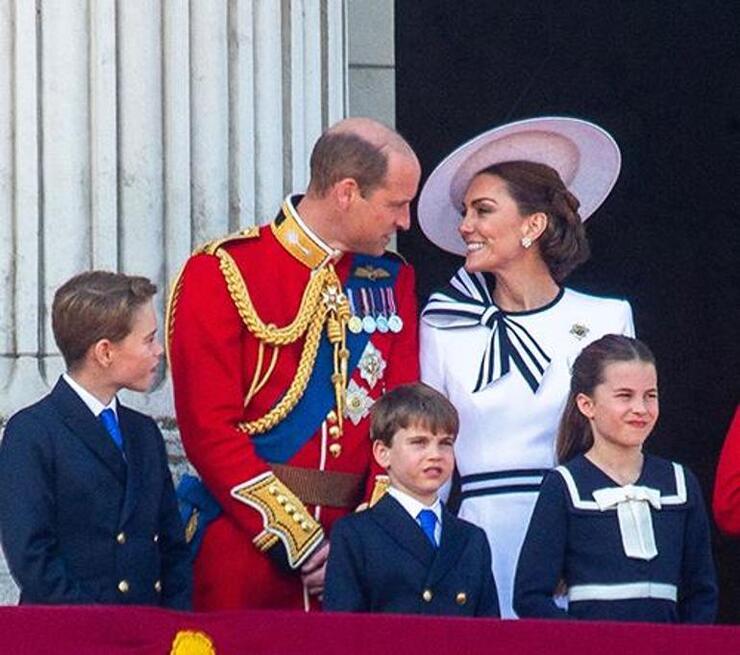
372 365
358 402
333 298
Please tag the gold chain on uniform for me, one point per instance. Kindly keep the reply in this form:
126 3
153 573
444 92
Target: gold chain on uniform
323 302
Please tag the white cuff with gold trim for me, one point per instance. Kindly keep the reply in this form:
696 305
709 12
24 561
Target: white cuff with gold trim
284 517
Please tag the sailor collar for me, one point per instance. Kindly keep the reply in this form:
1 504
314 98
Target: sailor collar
299 240
634 505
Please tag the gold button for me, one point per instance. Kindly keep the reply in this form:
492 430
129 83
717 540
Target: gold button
334 432
289 508
331 416
155 537
427 595
335 449
157 586
123 586
121 537
461 598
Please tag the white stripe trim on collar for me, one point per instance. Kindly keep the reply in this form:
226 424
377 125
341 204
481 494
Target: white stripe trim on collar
679 498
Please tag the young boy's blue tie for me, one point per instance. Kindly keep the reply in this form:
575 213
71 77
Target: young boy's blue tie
428 521
108 417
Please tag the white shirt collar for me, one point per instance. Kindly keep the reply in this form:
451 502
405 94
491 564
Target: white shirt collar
92 403
413 506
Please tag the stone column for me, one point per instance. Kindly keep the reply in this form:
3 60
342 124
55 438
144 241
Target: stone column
132 131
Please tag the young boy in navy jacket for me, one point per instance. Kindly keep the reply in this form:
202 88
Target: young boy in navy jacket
87 508
407 553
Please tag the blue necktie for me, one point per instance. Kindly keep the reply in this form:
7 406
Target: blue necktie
428 521
108 417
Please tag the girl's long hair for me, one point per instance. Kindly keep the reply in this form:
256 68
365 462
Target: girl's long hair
574 434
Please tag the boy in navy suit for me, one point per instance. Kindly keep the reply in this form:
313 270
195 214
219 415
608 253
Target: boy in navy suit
407 553
87 508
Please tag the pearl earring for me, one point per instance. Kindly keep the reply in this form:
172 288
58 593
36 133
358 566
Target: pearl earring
526 242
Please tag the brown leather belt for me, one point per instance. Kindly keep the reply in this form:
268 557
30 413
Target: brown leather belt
328 488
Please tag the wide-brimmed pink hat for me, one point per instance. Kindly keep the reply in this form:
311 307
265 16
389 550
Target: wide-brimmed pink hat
585 155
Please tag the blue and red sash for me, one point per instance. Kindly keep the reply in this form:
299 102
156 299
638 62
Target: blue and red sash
282 442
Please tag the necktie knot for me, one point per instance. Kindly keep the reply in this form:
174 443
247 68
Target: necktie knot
109 420
428 521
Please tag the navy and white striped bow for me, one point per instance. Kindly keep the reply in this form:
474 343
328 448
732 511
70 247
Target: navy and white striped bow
466 302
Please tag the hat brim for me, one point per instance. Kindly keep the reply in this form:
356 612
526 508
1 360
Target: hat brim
585 155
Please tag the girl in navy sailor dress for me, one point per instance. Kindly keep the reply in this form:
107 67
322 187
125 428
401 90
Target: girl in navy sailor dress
626 533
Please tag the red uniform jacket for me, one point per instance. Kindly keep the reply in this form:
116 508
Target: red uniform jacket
213 358
726 502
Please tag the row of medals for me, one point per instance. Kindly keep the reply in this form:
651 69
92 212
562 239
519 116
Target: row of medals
381 321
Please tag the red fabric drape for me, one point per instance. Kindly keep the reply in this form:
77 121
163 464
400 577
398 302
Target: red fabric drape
144 631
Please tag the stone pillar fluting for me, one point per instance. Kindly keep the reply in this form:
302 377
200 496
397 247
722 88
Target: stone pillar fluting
131 132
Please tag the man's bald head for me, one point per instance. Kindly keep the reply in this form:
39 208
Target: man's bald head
356 148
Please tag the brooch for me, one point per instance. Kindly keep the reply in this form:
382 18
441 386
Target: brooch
358 403
371 365
579 330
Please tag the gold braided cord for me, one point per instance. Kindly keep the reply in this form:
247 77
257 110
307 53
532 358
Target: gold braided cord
268 372
323 302
256 375
297 386
169 313
336 331
271 334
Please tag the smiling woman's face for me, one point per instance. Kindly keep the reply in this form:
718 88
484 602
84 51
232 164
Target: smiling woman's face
492 226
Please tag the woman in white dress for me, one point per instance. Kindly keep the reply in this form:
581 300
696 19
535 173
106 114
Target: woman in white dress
499 339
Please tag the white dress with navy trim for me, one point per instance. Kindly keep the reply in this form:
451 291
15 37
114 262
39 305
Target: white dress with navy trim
630 553
508 374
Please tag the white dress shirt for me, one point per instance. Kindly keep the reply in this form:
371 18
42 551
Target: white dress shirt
93 404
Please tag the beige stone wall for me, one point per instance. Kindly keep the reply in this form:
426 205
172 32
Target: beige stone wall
131 132
372 59
137 162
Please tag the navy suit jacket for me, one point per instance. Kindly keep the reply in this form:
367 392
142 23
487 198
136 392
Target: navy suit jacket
79 524
381 561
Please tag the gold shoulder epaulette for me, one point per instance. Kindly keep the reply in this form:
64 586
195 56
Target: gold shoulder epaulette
210 247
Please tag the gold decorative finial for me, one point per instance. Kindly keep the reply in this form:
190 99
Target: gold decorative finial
192 642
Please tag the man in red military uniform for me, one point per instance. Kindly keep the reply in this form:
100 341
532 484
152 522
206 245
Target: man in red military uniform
280 339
